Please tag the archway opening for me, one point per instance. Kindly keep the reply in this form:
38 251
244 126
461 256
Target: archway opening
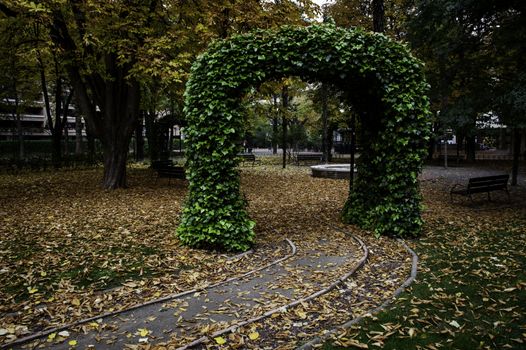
381 80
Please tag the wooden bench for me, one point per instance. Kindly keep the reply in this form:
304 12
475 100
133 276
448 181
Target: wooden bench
484 184
248 157
308 157
159 164
171 172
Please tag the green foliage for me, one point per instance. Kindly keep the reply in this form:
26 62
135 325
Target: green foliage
382 81
359 13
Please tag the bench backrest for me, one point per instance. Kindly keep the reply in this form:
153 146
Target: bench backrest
308 156
494 182
156 164
176 171
247 156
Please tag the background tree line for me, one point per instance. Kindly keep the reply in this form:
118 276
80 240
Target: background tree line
123 57
122 64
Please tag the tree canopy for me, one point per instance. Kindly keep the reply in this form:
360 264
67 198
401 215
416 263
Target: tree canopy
112 50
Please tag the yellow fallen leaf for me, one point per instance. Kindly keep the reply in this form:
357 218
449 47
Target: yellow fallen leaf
72 343
32 290
75 302
143 332
412 332
454 324
43 273
52 336
356 344
220 340
253 335
301 314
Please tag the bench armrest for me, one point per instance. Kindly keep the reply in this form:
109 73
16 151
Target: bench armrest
455 186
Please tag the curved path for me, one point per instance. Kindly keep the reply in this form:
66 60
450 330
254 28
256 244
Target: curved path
389 269
186 318
280 305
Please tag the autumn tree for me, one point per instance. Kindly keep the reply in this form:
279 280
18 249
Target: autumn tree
103 48
507 44
61 95
19 86
376 15
474 53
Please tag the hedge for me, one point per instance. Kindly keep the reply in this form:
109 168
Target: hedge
381 80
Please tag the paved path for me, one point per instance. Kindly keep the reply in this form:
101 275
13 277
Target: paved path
462 173
183 320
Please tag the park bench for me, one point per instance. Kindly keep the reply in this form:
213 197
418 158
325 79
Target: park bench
308 157
248 157
452 158
171 172
159 164
484 184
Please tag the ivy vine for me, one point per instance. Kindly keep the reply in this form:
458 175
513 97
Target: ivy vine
382 81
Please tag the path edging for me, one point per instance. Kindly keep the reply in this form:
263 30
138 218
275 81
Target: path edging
44 333
414 267
283 308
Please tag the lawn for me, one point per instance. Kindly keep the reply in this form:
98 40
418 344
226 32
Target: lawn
471 289
69 250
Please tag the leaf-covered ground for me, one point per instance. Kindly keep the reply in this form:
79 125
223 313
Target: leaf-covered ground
69 250
471 289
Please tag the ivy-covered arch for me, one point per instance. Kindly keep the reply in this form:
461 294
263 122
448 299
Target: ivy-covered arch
382 81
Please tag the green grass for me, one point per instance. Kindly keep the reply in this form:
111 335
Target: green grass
470 294
84 273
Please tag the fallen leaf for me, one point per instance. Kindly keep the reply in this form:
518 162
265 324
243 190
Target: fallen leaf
454 324
412 332
220 340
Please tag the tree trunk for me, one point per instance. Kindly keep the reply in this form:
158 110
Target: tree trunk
92 153
330 141
378 16
56 152
516 155
78 134
19 129
325 124
115 147
275 122
285 102
353 152
120 120
115 158
66 142
139 154
20 135
470 148
152 134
